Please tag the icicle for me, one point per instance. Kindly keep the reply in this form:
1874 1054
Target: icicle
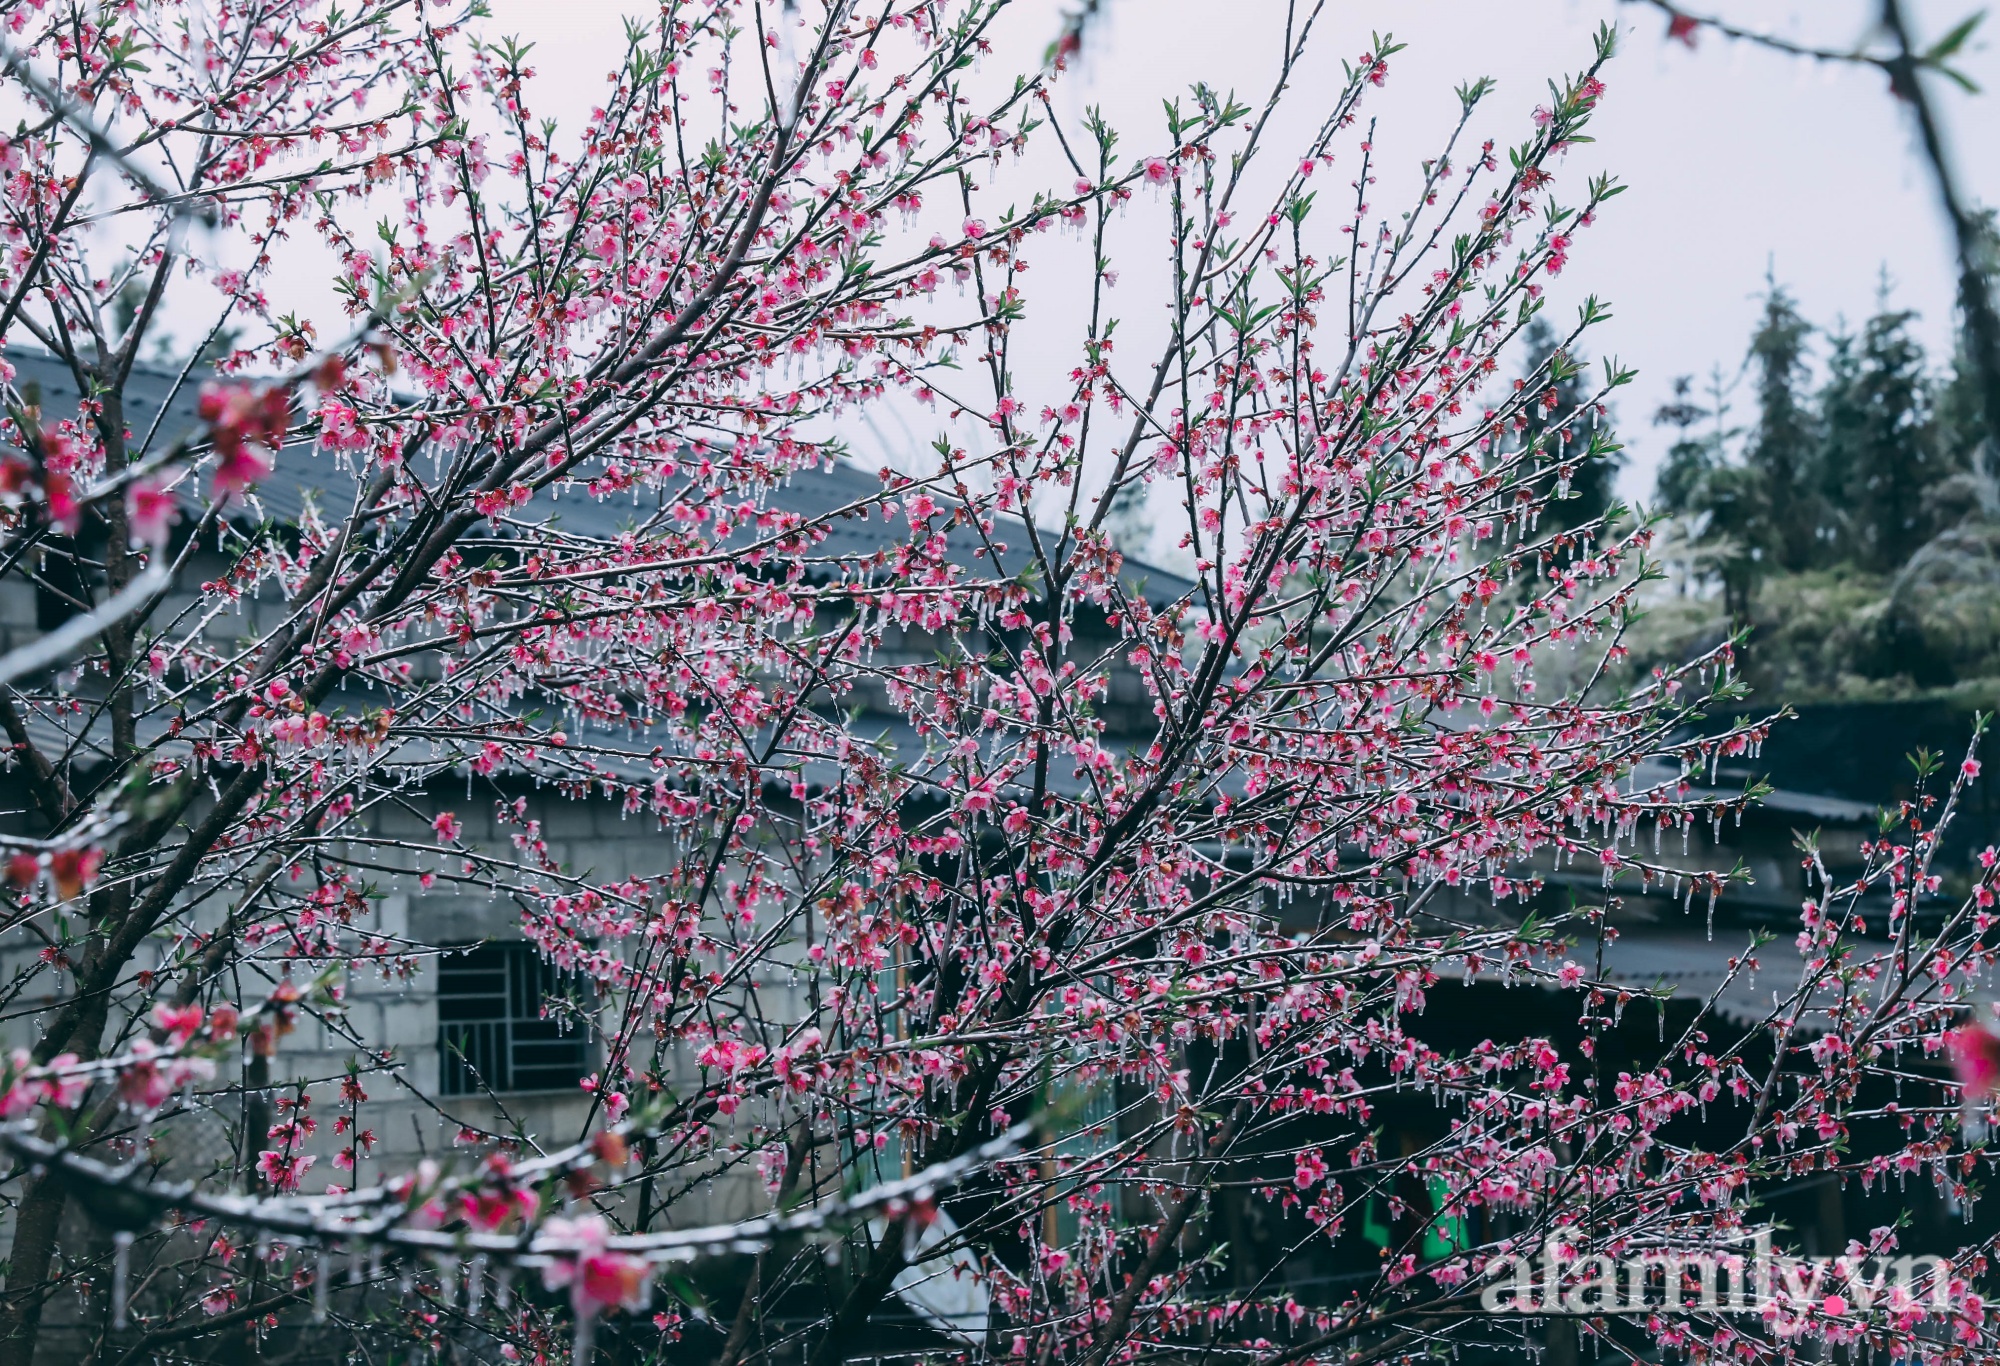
121 1269
475 1285
581 1355
322 1285
1711 914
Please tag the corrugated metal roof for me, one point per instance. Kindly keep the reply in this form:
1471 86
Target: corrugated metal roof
1654 772
1694 969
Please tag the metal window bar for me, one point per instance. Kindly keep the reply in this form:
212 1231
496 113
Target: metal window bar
491 1033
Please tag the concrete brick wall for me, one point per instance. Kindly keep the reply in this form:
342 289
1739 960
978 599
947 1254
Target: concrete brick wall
413 1119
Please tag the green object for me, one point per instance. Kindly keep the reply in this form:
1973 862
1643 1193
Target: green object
1374 1227
1447 1235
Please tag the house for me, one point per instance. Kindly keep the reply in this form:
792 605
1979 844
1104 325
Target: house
488 1035
485 1033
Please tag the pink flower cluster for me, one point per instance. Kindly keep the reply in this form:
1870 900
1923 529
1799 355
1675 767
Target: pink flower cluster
598 1278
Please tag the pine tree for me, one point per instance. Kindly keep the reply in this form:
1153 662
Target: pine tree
1782 455
1689 460
1576 439
1129 523
1882 448
1722 498
1960 416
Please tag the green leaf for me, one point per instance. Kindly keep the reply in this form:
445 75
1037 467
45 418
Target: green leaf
1951 42
1960 79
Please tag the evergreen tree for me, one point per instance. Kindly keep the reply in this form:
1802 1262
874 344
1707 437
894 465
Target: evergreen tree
1790 523
1576 440
1129 523
1860 474
1680 485
1721 497
1882 449
1960 417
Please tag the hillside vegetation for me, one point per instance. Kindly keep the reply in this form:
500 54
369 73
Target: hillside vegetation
1844 513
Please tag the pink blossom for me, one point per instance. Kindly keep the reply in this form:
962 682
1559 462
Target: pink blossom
1975 1059
179 1023
74 869
908 753
65 512
239 470
246 425
730 1056
490 1209
24 870
222 1022
149 512
284 1171
597 1278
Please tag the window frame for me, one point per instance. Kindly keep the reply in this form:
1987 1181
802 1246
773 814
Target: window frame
483 1026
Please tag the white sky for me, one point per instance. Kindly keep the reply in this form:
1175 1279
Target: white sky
1735 157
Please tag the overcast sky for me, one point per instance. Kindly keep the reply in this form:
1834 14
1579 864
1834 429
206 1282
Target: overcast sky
1737 159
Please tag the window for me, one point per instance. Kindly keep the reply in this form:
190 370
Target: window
491 1033
1084 1114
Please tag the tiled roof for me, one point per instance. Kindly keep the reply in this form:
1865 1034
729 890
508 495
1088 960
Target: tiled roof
303 472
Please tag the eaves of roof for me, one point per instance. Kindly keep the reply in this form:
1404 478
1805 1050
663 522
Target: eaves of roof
304 473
